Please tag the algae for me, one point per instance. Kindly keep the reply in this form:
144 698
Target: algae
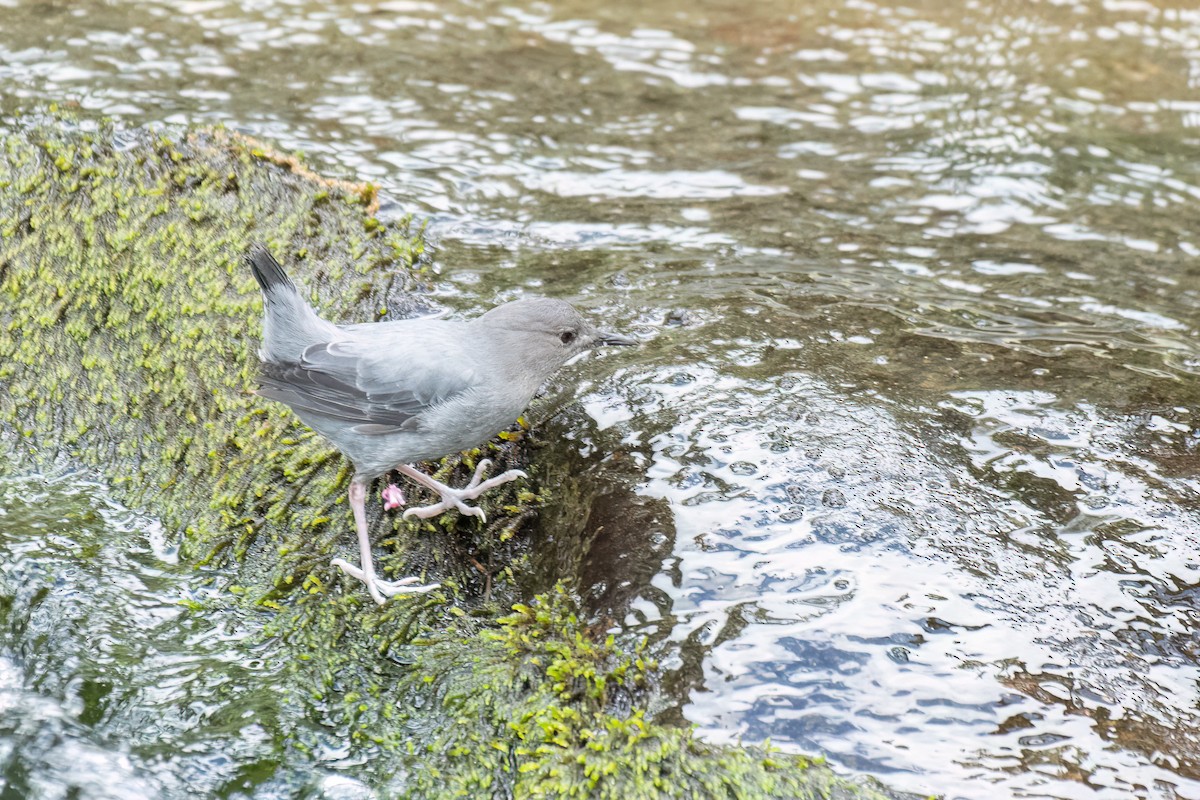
127 334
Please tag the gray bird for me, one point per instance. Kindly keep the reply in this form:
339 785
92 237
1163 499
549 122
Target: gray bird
390 393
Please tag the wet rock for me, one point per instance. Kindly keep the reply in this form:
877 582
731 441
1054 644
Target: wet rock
833 498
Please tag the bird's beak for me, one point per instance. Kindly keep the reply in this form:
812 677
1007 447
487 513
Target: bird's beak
603 338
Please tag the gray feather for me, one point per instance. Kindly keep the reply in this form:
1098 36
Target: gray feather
381 377
289 323
387 393
267 271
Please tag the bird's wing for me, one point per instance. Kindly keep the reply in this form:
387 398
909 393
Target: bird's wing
380 377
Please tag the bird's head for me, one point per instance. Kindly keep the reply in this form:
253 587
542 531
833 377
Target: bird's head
548 332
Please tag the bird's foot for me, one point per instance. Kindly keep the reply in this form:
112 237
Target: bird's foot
381 590
392 497
455 498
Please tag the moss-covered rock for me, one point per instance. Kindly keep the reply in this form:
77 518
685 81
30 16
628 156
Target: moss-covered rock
129 329
127 334
540 709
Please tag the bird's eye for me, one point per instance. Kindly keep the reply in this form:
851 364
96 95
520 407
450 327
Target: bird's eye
567 337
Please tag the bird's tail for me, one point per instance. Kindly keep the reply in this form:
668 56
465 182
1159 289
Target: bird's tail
289 323
267 270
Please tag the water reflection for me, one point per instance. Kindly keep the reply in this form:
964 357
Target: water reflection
913 436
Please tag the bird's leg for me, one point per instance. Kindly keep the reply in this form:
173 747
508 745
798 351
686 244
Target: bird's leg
454 498
379 590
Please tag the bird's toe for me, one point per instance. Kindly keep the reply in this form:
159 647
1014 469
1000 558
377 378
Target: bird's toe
425 512
470 511
405 586
393 497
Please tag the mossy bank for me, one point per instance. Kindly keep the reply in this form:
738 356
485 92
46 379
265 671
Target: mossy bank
128 326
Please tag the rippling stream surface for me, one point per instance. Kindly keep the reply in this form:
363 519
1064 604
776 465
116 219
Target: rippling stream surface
912 438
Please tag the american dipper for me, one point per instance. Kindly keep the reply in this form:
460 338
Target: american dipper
390 393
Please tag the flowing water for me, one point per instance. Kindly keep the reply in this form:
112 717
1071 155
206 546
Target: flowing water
906 469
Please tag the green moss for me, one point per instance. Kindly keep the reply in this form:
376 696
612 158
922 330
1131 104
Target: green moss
543 710
532 704
128 326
